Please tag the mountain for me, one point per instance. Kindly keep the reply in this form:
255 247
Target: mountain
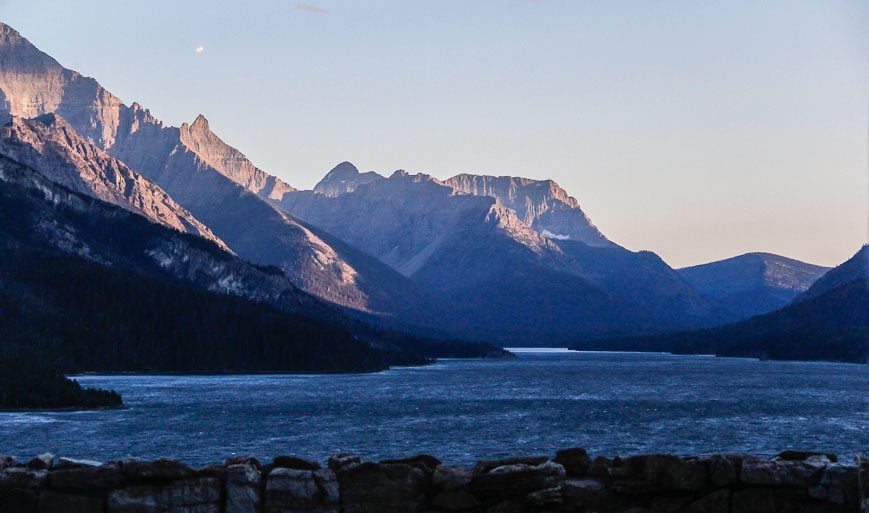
541 204
344 178
46 214
752 284
208 178
64 157
652 296
90 286
69 257
830 324
468 251
856 268
503 278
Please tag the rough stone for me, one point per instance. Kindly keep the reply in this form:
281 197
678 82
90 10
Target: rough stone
512 506
383 488
777 472
450 478
8 462
243 488
217 471
722 470
161 469
456 500
715 502
199 495
327 481
545 499
57 502
806 455
631 467
18 477
483 466
293 462
599 467
245 459
669 504
291 490
575 461
516 480
41 462
582 493
753 501
423 460
837 483
104 476
17 501
70 463
678 474
343 461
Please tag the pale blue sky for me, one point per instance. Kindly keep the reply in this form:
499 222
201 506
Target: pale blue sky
697 129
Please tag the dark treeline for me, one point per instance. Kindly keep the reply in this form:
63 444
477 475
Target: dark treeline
27 383
83 317
833 326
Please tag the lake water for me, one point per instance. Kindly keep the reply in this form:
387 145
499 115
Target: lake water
463 410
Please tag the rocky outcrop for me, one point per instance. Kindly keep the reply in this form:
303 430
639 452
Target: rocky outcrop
344 178
541 204
570 483
53 215
230 162
51 146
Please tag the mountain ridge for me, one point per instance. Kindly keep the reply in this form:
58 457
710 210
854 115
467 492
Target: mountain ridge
752 283
213 181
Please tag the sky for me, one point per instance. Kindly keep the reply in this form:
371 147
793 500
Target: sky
698 130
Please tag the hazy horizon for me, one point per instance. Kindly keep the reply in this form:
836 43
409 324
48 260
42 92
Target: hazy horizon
699 133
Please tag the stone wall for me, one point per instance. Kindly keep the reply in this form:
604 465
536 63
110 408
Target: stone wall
569 482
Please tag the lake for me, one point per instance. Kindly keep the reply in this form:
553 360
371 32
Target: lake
464 410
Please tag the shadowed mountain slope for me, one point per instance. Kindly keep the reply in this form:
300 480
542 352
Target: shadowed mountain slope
49 144
831 324
752 284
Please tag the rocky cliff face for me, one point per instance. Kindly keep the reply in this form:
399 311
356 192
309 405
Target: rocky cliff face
32 84
230 162
50 214
541 204
48 144
403 220
752 284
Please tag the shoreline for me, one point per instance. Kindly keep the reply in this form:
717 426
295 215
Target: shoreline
571 481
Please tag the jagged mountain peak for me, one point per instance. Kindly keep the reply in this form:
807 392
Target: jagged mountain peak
344 169
51 146
344 178
200 122
541 204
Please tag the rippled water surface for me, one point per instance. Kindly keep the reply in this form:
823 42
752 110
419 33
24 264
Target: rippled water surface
462 410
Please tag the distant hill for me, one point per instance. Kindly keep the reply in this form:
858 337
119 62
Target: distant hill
752 284
830 324
856 268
